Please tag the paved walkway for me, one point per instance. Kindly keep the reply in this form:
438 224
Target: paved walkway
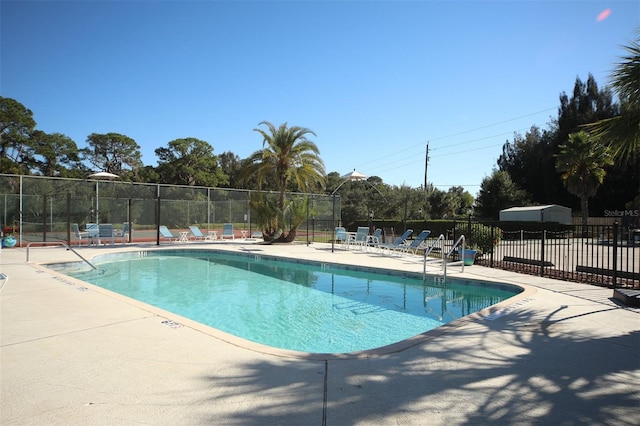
72 353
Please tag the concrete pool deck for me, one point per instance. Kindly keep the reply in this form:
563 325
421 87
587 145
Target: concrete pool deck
72 353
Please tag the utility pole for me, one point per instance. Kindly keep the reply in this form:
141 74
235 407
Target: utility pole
426 165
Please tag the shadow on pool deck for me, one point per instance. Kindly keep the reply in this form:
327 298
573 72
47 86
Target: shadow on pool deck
569 355
545 377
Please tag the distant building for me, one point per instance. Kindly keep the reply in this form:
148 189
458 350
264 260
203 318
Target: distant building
548 213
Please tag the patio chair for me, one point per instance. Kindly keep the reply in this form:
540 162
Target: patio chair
196 233
360 238
105 231
388 235
92 232
341 235
374 241
227 231
79 234
415 244
126 232
400 242
166 234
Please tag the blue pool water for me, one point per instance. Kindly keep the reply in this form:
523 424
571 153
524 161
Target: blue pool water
315 308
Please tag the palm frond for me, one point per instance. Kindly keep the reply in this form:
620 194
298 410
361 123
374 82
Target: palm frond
622 133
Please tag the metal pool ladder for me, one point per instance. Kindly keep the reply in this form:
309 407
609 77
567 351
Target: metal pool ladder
59 243
442 278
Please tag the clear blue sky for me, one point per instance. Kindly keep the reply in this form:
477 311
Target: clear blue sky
375 80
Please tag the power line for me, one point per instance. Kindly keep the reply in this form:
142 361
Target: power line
404 161
419 160
467 150
479 139
397 152
494 124
455 184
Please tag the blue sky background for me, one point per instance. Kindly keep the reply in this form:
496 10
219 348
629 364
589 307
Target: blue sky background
375 80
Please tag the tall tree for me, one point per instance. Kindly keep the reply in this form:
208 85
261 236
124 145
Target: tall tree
498 192
530 161
189 161
454 202
581 163
55 154
333 180
113 153
148 174
231 165
438 205
287 157
460 200
588 104
16 126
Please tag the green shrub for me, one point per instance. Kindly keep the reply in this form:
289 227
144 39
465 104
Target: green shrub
481 239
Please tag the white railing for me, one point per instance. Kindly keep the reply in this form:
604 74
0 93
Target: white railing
428 251
59 243
459 243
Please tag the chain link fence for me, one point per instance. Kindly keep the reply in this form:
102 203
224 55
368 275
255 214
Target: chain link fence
35 208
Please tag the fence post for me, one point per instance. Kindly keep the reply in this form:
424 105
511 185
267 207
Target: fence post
307 202
69 219
542 240
493 238
158 217
332 229
615 253
454 230
129 221
44 217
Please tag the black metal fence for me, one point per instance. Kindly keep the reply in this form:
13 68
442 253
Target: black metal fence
606 255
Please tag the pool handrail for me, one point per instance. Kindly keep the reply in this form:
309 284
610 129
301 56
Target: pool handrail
444 258
428 251
59 243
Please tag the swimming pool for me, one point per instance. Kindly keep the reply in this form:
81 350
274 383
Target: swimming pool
308 307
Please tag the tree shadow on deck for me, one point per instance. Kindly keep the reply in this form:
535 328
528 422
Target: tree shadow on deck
522 368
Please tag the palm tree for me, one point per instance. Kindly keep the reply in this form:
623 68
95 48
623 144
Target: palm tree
622 132
288 159
581 162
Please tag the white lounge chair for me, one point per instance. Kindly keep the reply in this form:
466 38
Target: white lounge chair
373 241
415 244
166 234
79 234
196 233
399 243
